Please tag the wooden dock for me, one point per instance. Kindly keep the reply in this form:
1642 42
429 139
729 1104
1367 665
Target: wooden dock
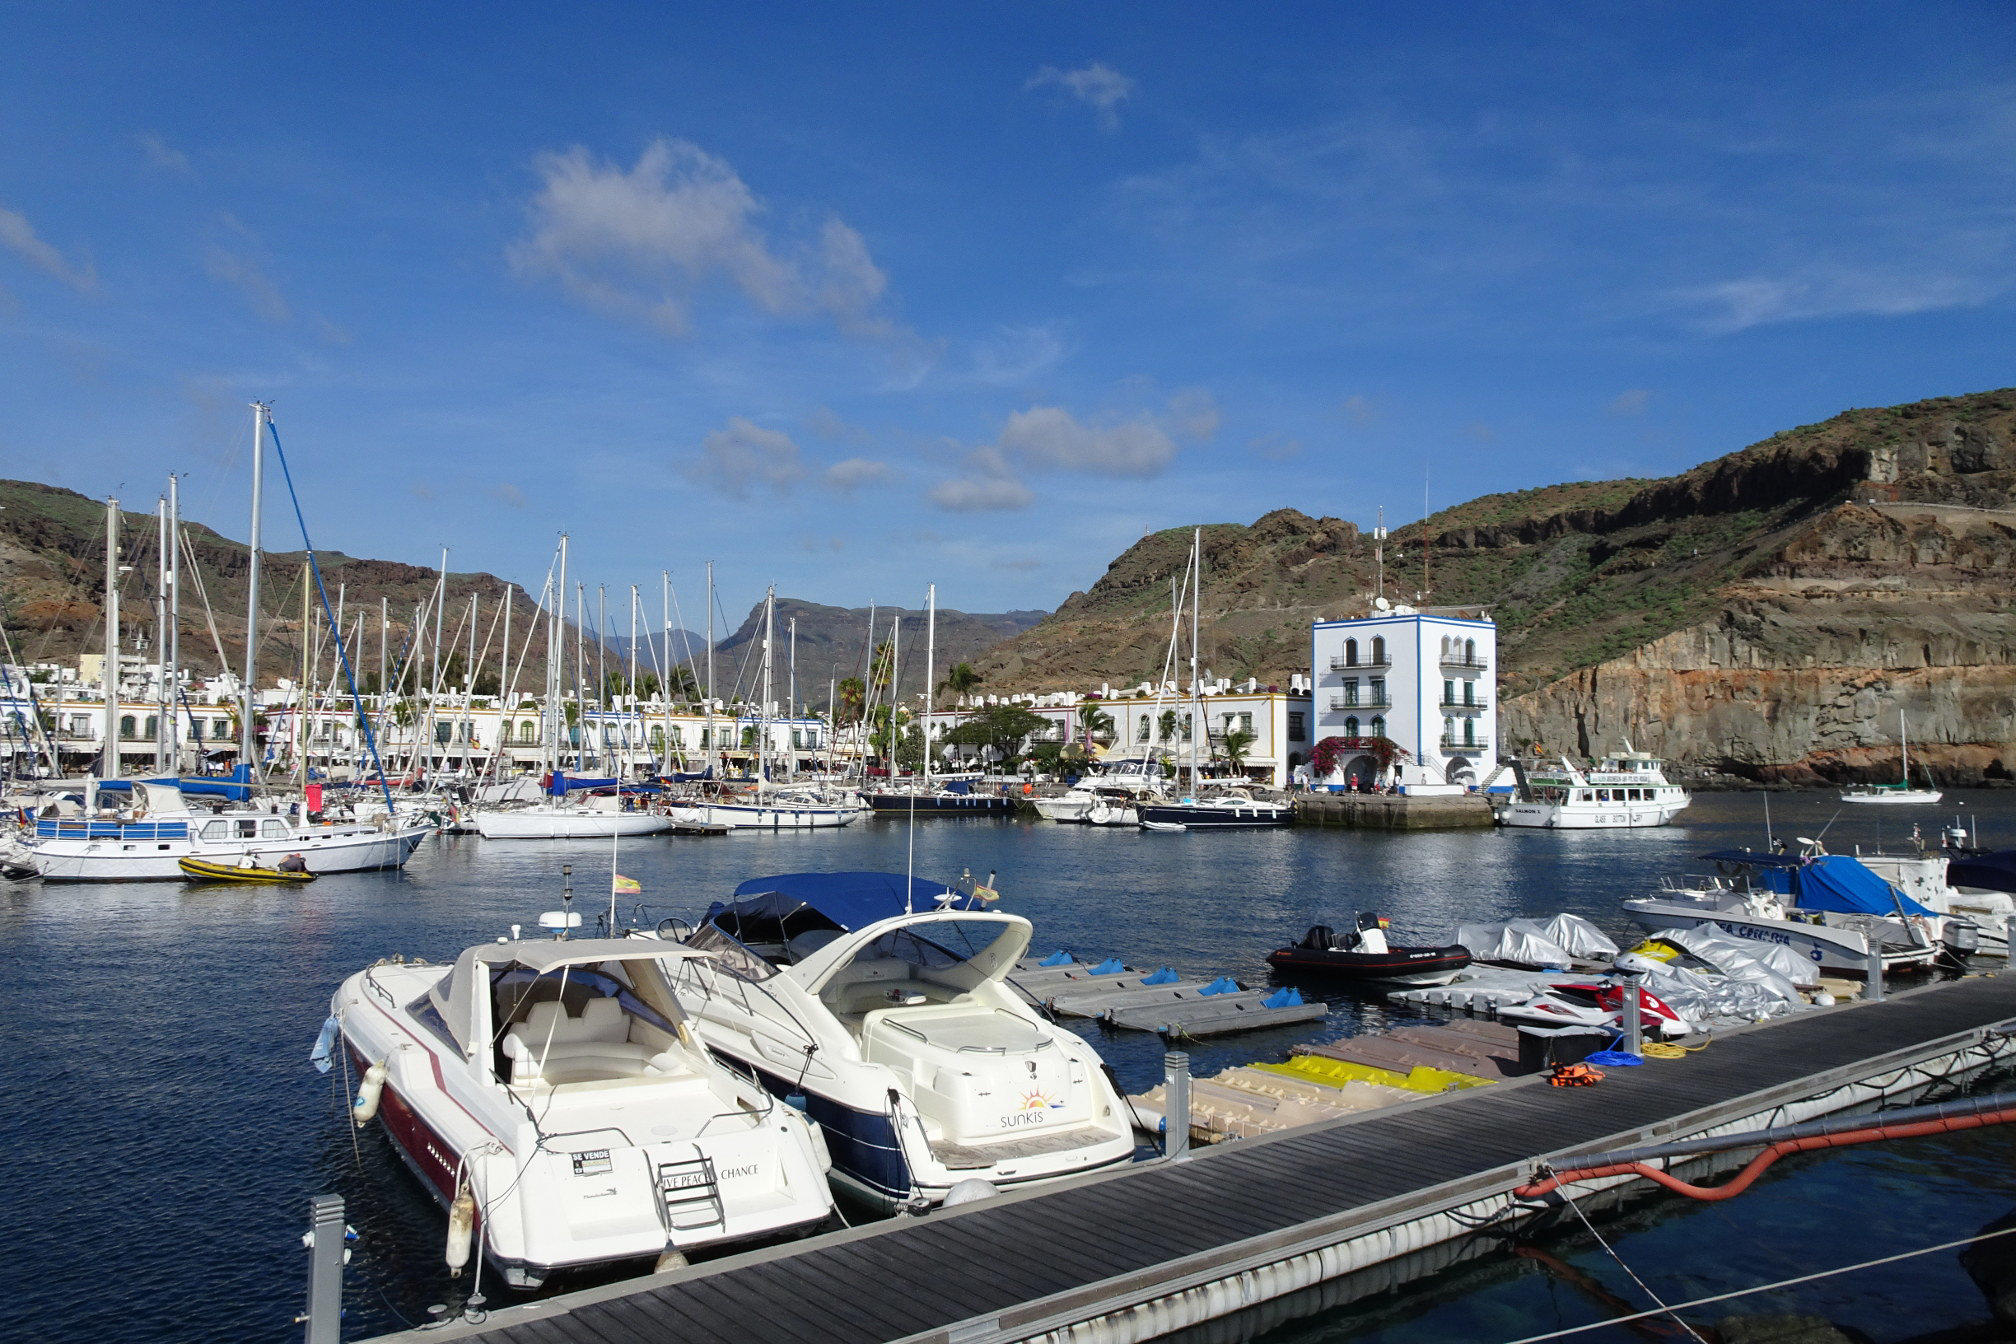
1017 1266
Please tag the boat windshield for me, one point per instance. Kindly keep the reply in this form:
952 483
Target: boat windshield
950 952
514 989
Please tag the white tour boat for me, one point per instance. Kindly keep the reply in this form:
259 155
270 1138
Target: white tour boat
554 1097
1826 907
1629 788
881 1004
145 838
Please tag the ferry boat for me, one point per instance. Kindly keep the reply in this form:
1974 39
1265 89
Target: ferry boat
1627 789
554 1097
881 1003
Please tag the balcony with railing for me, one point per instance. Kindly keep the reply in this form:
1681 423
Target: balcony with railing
1362 702
1462 747
1467 662
1472 705
1342 663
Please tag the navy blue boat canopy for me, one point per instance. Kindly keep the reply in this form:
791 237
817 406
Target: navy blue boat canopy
1995 871
845 900
1835 882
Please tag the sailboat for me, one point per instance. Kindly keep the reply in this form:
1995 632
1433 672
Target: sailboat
1899 793
948 797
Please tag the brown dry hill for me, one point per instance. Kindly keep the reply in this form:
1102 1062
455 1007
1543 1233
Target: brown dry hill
1769 613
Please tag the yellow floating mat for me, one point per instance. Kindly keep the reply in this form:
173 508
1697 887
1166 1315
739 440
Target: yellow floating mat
1337 1072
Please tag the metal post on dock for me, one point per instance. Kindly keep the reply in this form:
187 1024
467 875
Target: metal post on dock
1874 993
1176 1105
325 1271
1634 1027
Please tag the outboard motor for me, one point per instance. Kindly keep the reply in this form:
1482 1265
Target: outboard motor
1320 937
1962 937
1371 934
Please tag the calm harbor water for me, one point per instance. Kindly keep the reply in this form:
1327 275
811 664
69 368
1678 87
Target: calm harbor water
164 1131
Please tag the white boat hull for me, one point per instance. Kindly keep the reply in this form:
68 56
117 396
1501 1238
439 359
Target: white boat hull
114 860
1835 950
764 817
1588 817
1894 797
534 823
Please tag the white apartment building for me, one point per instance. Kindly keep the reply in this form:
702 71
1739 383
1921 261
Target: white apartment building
1424 680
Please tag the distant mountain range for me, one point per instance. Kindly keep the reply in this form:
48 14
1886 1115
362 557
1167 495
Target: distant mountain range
833 644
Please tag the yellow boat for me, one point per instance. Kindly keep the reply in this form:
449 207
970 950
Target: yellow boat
202 870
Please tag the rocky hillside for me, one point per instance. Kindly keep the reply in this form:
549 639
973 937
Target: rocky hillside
52 574
1770 613
833 644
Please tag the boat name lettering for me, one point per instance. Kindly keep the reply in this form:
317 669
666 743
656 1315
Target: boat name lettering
737 1173
1021 1118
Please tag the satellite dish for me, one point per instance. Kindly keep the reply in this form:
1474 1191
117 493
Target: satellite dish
1804 841
1382 604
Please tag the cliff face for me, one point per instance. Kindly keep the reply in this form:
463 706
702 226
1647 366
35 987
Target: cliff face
1769 613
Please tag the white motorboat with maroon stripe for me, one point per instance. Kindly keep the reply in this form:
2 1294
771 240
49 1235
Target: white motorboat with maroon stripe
554 1097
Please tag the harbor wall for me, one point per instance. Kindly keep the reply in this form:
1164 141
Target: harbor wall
1392 812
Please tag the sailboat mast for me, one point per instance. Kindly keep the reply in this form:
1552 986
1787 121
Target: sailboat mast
109 765
763 713
246 736
1196 702
173 673
556 617
930 671
664 663
791 766
714 746
633 704
164 695
580 740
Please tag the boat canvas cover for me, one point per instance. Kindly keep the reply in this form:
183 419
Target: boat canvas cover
848 901
1520 941
1984 872
562 784
1831 882
1579 937
454 995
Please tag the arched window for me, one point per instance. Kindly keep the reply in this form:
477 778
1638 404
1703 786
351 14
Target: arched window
1351 725
1469 650
153 724
1379 650
1351 653
657 737
528 732
1378 725
126 725
1142 729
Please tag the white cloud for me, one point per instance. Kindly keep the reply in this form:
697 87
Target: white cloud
1050 436
249 278
744 455
1733 305
1013 355
1098 86
645 242
1631 401
982 494
828 425
160 154
855 471
1194 414
18 236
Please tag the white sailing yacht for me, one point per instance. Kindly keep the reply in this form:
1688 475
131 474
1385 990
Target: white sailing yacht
1901 792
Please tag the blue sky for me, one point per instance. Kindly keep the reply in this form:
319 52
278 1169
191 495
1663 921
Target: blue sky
853 299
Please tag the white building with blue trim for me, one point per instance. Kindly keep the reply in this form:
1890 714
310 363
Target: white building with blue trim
1424 680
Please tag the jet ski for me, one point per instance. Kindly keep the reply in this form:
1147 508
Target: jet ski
1597 1004
1364 954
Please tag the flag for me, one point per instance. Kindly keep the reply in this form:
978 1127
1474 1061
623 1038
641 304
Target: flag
983 892
620 885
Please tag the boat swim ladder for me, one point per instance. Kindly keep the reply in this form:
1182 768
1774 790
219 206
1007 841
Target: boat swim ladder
689 1190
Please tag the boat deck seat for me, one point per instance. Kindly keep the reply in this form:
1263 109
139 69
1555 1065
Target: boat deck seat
594 1046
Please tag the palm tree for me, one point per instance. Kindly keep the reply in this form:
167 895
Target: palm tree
961 679
1236 744
1166 725
1094 722
853 696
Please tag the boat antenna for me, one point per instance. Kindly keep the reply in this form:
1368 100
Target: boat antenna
566 899
1769 841
615 834
1830 822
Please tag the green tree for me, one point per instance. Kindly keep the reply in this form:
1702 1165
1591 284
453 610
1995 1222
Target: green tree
1235 745
1166 725
853 697
1004 728
1094 723
961 679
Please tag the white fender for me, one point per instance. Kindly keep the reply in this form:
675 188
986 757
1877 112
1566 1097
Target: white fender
365 1108
461 1229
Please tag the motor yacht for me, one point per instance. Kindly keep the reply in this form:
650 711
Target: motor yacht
1219 810
1628 789
1825 907
553 1093
879 1003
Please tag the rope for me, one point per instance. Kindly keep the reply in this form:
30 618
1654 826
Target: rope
1642 1285
1661 1050
1765 1287
349 673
